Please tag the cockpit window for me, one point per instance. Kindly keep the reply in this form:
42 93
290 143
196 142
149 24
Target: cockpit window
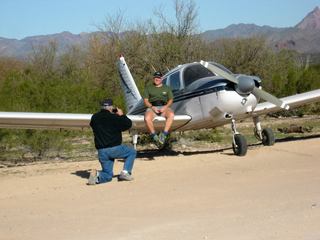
175 81
195 72
221 67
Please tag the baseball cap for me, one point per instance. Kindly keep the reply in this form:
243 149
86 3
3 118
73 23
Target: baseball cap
106 102
157 74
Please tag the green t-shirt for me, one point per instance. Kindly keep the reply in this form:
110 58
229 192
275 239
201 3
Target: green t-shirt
153 93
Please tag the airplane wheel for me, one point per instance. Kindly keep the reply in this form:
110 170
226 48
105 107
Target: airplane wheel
267 137
240 145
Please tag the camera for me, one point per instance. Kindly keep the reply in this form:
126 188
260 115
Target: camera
114 110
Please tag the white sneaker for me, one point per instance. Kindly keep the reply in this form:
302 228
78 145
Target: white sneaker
125 176
93 178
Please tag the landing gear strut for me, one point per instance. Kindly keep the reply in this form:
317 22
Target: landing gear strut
239 143
265 135
134 139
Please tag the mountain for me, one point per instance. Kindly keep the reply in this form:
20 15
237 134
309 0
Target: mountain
22 48
239 31
303 37
311 21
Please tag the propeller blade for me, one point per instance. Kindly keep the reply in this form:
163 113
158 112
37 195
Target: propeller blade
256 91
219 71
270 98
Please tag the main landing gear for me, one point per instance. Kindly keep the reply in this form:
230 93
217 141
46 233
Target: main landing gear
239 143
265 135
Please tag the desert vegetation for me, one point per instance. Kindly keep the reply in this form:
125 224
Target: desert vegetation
77 80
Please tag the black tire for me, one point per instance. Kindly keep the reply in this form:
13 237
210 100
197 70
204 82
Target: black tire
240 146
267 137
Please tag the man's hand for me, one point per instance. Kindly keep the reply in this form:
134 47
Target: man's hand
119 112
163 109
155 110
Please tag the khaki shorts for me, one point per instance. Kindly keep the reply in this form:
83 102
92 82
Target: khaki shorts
158 107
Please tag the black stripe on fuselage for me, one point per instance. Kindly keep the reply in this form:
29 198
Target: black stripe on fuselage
181 96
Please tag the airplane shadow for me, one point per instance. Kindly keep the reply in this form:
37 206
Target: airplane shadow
150 154
147 155
298 138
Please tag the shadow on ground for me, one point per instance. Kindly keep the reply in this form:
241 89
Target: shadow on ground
149 155
86 173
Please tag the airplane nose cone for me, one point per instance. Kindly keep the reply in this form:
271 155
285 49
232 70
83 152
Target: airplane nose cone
246 84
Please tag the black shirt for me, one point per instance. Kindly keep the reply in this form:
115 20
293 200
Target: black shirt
107 128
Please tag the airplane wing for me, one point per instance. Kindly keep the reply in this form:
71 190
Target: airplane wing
28 120
293 101
43 120
139 125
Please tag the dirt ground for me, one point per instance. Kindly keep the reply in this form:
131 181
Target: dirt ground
271 193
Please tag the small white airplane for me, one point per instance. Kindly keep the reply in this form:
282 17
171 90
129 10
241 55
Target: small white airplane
206 95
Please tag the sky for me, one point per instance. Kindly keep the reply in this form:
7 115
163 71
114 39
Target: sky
23 18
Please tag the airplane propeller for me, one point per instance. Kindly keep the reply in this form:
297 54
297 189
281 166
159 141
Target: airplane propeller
245 85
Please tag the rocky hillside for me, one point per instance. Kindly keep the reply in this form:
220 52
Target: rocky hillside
22 48
304 37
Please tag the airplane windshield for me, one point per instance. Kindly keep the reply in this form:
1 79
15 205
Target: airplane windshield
195 72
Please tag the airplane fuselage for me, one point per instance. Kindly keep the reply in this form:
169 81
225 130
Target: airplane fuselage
207 108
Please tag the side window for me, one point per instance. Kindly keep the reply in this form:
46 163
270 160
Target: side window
195 72
175 81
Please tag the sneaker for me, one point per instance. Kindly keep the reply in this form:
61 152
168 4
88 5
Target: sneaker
155 138
93 178
162 138
125 176
156 141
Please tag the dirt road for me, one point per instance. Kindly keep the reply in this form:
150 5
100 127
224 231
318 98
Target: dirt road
272 193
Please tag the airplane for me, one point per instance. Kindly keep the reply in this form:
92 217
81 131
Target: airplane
206 95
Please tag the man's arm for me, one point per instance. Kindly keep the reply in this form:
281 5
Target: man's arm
165 107
149 105
124 122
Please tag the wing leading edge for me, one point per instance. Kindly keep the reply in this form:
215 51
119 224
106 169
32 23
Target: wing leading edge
43 120
293 101
72 120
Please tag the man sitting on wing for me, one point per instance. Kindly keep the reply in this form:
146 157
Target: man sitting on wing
158 98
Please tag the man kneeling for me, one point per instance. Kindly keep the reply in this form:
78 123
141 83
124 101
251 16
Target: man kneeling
107 126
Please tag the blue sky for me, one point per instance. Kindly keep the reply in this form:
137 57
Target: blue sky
22 18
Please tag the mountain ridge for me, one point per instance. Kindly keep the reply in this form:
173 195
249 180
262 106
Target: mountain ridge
303 37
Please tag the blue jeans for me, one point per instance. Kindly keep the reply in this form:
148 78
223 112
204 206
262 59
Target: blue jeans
106 159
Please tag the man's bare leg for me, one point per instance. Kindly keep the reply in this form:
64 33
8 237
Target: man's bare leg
148 118
169 115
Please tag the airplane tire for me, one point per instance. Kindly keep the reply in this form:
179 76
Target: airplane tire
240 146
267 137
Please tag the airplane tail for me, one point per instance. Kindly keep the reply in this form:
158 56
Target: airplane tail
129 87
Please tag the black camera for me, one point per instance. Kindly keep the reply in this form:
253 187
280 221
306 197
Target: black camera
114 110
